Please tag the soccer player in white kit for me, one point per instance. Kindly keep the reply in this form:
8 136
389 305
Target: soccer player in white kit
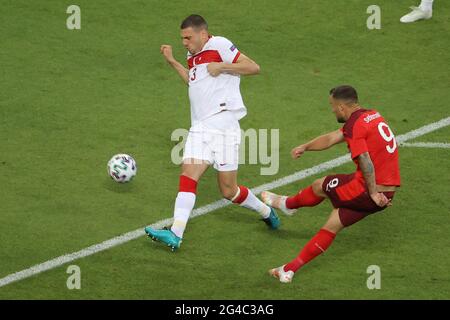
213 77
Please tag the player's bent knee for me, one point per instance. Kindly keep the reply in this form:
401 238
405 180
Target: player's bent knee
317 187
334 223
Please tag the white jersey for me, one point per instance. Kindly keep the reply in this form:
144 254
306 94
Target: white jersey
209 95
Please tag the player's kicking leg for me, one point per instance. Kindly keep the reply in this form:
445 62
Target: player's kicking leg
244 197
307 197
341 190
317 245
192 170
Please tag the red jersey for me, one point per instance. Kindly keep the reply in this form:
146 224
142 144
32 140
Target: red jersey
367 131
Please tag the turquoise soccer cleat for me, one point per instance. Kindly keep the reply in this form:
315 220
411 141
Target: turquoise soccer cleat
272 221
165 236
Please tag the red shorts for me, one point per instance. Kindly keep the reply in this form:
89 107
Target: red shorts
348 193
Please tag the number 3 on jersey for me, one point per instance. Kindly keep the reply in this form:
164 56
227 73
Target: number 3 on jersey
193 74
388 137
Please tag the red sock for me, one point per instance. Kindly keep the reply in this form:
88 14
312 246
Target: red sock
318 244
187 184
305 198
243 194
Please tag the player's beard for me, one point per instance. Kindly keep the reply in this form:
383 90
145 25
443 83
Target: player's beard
340 119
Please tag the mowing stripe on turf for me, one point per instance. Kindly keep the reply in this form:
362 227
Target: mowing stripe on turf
439 145
56 262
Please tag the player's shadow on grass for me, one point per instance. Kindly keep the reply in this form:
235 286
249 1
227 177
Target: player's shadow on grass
297 235
252 219
110 185
149 244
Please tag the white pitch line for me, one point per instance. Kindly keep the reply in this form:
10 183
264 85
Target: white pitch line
424 130
56 262
440 145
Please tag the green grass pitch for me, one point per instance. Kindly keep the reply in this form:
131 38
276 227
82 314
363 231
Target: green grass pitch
70 99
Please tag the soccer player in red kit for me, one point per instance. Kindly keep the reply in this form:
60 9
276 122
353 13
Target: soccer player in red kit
370 189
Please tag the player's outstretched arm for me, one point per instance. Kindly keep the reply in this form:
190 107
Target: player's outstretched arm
322 142
183 72
243 66
368 170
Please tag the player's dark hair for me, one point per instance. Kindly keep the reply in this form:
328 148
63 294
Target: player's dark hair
194 21
345 92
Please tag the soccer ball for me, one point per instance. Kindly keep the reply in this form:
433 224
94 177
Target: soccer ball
122 168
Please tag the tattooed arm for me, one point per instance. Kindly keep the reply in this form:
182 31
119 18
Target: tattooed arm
368 170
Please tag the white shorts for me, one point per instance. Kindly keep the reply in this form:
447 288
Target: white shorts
217 146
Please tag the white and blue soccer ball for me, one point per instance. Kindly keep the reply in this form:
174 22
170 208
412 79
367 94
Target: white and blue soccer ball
122 168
